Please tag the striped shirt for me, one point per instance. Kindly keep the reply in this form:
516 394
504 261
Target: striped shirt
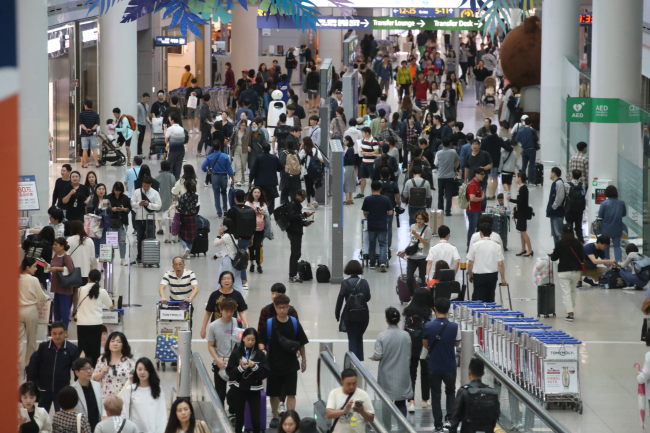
368 147
180 288
580 161
88 118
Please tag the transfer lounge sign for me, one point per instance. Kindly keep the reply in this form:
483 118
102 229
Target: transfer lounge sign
395 23
603 110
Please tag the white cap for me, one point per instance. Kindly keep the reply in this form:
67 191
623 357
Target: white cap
524 117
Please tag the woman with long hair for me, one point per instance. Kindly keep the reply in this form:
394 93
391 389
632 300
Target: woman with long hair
226 239
115 365
480 74
439 266
307 153
256 199
263 73
240 142
145 171
188 208
30 295
82 252
100 206
62 295
521 214
43 242
455 84
416 259
182 419
289 422
371 88
452 63
189 175
433 94
337 124
121 206
38 420
354 325
258 140
247 368
89 316
612 211
91 183
144 400
416 314
570 255
349 176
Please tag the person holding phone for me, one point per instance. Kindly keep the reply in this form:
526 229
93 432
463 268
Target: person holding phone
120 205
350 407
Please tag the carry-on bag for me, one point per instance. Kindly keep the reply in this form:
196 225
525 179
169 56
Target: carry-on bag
248 424
539 174
150 245
402 288
500 226
436 219
546 296
201 242
304 269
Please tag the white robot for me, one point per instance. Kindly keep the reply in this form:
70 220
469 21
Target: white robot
276 107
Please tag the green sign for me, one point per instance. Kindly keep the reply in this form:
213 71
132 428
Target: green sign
394 23
603 110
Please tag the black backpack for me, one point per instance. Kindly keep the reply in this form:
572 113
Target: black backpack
240 262
280 216
281 133
323 274
388 191
417 194
33 246
356 306
575 200
482 409
414 325
246 222
427 172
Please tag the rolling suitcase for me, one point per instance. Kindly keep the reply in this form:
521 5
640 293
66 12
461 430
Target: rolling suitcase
500 226
436 219
546 296
248 424
539 174
150 246
201 243
402 288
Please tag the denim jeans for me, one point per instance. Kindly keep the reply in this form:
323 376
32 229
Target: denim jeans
473 224
289 74
61 308
435 385
389 236
618 254
373 238
528 157
355 337
121 236
220 190
412 212
484 186
187 245
556 228
445 190
244 244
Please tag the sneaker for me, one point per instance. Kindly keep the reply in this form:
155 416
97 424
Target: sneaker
275 422
295 279
372 267
219 215
196 130
245 285
359 196
448 214
505 248
411 408
315 205
590 281
569 318
426 405
446 425
199 154
125 262
282 408
252 268
629 288
191 131
259 269
186 254
382 268
160 232
205 183
438 430
579 285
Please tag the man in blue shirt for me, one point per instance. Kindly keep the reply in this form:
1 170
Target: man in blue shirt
441 337
219 165
528 139
129 180
385 73
465 151
245 109
376 209
594 256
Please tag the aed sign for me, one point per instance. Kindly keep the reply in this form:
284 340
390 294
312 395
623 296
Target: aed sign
603 110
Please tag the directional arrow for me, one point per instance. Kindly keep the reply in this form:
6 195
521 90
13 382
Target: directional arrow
395 11
365 23
421 23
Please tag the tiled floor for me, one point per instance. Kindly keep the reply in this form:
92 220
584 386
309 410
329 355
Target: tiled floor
607 322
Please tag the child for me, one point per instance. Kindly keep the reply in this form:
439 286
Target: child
110 129
501 222
502 206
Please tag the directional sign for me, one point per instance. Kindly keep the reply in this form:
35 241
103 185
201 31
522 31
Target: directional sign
393 23
164 41
324 23
431 12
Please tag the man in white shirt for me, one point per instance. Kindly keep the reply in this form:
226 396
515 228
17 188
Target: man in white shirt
350 407
144 201
443 250
485 262
314 130
175 140
496 237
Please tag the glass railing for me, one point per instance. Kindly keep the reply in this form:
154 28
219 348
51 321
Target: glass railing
520 412
206 402
387 416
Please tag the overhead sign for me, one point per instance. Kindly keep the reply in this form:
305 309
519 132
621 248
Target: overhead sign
431 12
27 193
392 4
603 110
166 41
324 23
393 23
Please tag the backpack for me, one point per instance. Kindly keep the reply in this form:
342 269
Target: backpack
245 222
482 409
323 274
427 172
315 167
417 194
240 262
575 200
281 133
377 66
414 325
33 246
269 330
463 200
642 264
388 191
292 164
280 216
131 120
356 306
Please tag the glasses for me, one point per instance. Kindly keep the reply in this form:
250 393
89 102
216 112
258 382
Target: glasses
114 370
89 368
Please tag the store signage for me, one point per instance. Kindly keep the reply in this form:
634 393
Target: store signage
431 12
603 110
27 193
90 35
350 50
393 23
165 41
322 23
586 19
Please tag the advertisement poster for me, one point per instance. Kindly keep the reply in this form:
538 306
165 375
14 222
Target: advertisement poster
27 194
560 377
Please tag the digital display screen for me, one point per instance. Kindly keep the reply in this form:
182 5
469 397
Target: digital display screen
586 19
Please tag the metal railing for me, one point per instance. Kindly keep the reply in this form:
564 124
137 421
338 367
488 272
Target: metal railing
387 416
513 399
206 402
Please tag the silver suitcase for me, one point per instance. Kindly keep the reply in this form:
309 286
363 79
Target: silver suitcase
150 246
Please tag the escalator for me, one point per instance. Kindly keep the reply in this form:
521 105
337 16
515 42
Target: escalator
205 401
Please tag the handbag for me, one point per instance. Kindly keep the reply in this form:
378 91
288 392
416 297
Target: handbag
584 267
176 224
268 228
192 102
71 280
413 248
105 222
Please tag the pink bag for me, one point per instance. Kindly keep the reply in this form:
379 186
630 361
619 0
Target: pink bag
259 220
176 224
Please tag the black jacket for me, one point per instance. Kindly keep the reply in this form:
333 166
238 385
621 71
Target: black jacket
124 201
49 369
570 257
493 144
249 379
347 286
295 218
265 170
460 404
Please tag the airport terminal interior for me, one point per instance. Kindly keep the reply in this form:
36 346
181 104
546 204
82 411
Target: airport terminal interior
576 71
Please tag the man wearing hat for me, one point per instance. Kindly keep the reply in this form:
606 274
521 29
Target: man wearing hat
297 219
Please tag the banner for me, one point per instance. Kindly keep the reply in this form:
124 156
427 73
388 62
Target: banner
603 110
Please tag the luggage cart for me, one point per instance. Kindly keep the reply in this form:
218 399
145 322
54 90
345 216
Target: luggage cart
170 318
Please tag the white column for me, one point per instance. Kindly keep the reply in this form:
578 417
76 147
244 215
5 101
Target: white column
331 47
560 40
118 65
33 67
245 39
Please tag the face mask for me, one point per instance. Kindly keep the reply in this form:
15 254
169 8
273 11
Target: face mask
254 129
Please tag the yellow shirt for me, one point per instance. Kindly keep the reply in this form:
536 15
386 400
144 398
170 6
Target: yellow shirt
186 79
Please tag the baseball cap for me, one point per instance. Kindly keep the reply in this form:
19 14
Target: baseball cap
240 194
245 71
359 120
524 117
302 193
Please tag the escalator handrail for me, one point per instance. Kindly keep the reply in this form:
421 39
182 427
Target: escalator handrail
352 360
212 393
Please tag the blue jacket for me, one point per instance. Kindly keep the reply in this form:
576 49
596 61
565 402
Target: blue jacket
50 369
252 97
612 212
265 170
527 136
219 162
446 130
464 152
244 110
385 72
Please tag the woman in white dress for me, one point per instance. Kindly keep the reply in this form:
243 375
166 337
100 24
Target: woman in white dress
144 400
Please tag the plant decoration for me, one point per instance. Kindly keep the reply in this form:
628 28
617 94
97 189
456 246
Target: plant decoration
188 14
497 12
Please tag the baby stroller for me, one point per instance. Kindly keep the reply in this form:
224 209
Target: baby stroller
490 91
108 150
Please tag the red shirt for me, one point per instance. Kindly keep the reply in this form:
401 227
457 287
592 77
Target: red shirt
230 79
474 188
421 89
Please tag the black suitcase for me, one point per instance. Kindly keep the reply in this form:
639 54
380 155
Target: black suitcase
539 174
546 296
304 269
201 243
157 144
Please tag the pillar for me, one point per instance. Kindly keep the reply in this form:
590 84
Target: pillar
616 73
118 65
33 79
560 38
331 46
245 40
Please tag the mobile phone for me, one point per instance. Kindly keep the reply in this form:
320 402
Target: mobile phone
358 402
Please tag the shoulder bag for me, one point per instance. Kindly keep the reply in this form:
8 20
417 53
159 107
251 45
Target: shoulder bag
331 429
413 248
584 267
79 415
438 338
